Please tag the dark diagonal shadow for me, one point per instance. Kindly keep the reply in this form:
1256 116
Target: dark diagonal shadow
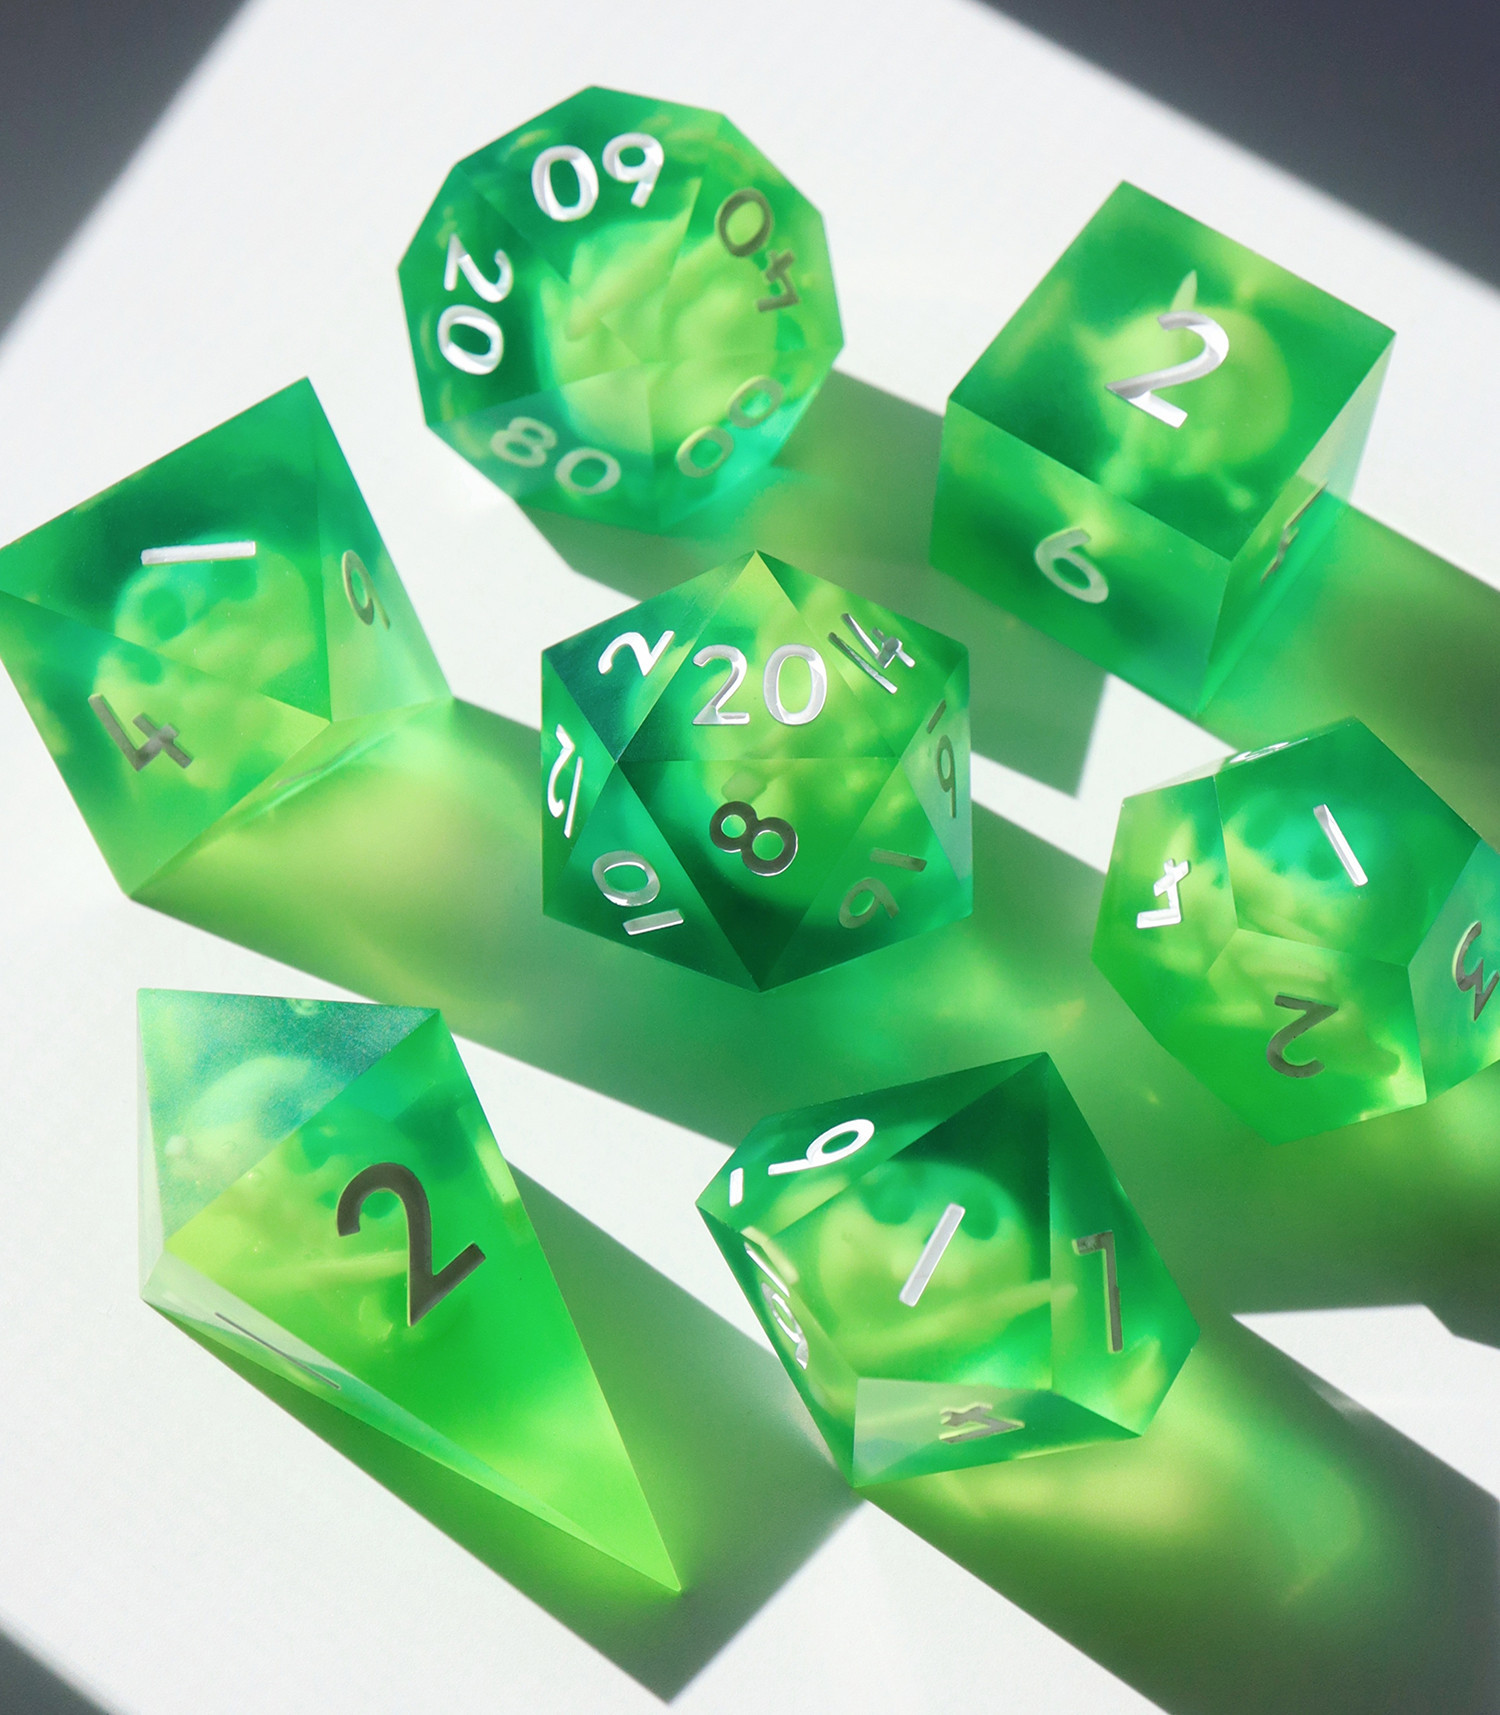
850 499
740 1489
29 1688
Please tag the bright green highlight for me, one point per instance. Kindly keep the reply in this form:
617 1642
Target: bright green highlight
620 309
951 1273
171 689
1317 886
260 1115
1154 534
838 728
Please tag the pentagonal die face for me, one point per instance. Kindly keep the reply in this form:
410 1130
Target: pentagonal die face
619 310
757 774
951 1273
1296 929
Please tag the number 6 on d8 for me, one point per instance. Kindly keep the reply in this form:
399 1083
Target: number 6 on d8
757 774
322 1195
1154 444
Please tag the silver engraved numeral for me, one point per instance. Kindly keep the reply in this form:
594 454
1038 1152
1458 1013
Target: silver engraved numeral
882 650
1473 980
160 740
1313 1013
555 805
1342 849
645 657
631 897
1165 886
1104 1243
974 1422
932 1254
778 1297
1140 390
820 1155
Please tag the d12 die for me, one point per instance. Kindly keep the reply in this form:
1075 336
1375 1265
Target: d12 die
951 1273
1306 930
210 632
620 309
321 1193
1154 445
757 774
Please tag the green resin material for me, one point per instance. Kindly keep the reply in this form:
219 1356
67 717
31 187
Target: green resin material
1307 929
211 633
1154 533
951 1273
839 730
620 309
259 1115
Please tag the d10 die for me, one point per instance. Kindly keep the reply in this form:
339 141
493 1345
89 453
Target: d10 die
1154 444
757 774
951 1273
320 1192
209 633
620 309
1306 930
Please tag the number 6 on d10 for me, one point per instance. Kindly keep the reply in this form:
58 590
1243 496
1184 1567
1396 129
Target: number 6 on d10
757 774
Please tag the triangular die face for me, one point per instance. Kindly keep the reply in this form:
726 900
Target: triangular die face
147 790
491 1377
378 655
816 800
615 671
225 1077
251 618
756 619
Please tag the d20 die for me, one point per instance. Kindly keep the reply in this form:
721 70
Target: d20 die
757 774
951 1273
1306 929
1154 445
620 309
320 1192
211 632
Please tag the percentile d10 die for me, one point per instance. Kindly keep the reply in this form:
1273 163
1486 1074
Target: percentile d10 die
1310 929
1154 445
757 774
619 310
211 634
950 1272
321 1193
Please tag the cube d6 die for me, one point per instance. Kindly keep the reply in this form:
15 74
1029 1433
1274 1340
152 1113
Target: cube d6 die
1154 445
951 1273
1310 929
757 774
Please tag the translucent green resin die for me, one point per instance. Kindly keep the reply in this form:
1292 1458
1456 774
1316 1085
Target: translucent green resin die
320 1192
620 309
1154 445
757 774
210 633
1307 930
951 1273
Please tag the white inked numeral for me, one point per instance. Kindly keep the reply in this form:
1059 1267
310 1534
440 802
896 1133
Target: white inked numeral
1066 549
545 191
713 712
859 1133
477 321
721 443
1474 979
526 441
567 471
645 658
1313 1012
461 262
736 1187
932 1254
1140 390
1104 1243
770 685
160 740
1165 886
631 897
1342 849
366 604
644 173
555 805
778 1297
750 405
974 1422
882 650
196 553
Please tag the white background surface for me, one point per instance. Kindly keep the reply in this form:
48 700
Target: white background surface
173 1542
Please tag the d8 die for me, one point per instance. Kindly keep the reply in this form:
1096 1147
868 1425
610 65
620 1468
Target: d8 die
1154 444
757 774
321 1193
210 632
1306 930
951 1273
620 309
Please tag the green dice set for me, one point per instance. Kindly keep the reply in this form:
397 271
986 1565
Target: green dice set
620 310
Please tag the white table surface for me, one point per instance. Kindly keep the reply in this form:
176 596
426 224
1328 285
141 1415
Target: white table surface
174 1542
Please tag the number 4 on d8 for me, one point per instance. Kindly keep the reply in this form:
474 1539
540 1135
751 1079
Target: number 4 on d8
312 1253
757 774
